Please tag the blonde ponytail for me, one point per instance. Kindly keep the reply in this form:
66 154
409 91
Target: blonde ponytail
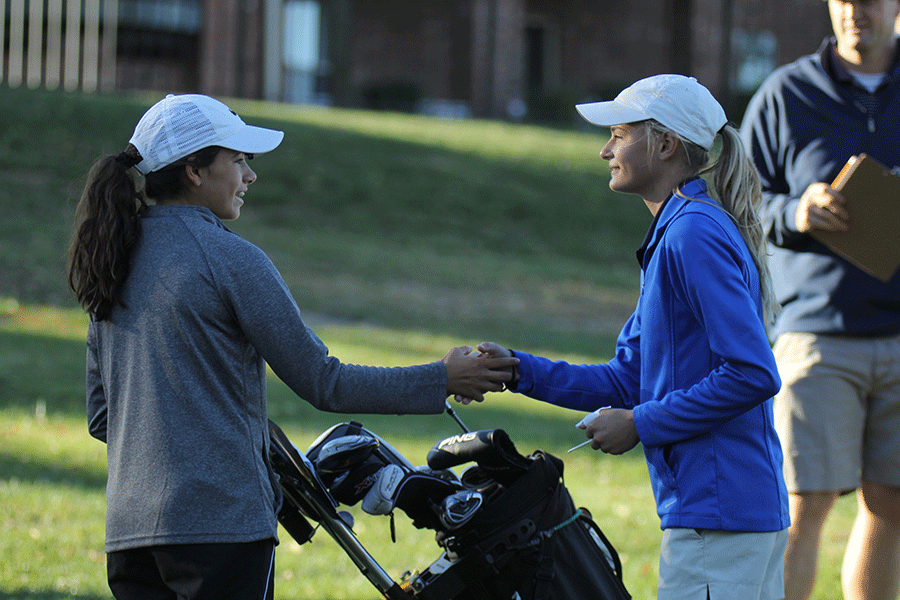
734 182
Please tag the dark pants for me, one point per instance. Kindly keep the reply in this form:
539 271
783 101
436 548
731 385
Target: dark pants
193 572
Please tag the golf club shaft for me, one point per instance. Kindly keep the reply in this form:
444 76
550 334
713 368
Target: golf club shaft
456 418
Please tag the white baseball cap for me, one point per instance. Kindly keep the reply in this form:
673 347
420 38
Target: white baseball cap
676 102
178 126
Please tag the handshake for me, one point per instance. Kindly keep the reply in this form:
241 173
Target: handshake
493 368
471 374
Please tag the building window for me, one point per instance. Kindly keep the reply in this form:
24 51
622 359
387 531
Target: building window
159 44
756 54
176 16
305 68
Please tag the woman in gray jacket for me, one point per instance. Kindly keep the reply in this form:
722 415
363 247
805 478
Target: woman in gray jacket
185 316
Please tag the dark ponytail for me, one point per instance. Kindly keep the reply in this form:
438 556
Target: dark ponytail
107 226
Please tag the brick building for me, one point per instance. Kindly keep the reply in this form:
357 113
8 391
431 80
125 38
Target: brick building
493 58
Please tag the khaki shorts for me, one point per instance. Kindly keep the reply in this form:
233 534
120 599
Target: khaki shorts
838 411
726 565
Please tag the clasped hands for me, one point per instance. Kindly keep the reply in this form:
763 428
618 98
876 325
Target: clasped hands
612 431
490 351
470 375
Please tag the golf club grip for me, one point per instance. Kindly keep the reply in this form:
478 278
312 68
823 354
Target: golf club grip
489 447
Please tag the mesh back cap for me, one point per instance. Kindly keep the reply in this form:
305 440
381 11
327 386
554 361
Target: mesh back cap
178 126
677 102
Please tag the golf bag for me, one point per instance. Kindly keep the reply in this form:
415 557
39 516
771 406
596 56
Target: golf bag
507 527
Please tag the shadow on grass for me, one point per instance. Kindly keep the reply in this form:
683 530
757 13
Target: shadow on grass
27 469
41 369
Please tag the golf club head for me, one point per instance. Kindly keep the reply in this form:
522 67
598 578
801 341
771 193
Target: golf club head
458 508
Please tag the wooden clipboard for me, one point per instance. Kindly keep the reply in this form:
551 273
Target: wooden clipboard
873 200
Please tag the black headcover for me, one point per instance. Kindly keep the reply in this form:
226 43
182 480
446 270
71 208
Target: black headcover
347 458
339 454
418 495
490 448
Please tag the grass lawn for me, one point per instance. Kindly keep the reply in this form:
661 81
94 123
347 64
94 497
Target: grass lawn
400 237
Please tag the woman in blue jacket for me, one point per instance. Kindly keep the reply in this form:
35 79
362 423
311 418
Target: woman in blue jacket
693 375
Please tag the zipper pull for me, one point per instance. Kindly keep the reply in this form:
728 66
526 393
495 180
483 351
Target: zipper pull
870 125
393 530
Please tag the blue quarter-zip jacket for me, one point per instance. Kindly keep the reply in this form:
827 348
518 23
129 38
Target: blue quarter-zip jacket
802 125
695 366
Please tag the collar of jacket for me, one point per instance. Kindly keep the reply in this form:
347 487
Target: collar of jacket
671 207
828 58
184 210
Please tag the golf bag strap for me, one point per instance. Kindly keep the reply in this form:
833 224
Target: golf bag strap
543 577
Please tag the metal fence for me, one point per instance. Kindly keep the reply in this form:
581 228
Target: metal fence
59 43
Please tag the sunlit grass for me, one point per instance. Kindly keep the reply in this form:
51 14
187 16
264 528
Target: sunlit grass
54 475
55 471
66 323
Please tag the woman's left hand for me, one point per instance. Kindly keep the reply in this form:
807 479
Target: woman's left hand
613 431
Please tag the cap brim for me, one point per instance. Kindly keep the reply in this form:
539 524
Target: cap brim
607 114
252 140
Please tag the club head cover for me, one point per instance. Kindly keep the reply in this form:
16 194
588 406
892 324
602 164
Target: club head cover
490 448
445 474
341 453
379 500
353 484
420 493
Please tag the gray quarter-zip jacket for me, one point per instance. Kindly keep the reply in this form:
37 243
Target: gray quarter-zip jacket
176 384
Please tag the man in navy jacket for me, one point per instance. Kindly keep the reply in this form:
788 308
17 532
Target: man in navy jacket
837 340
